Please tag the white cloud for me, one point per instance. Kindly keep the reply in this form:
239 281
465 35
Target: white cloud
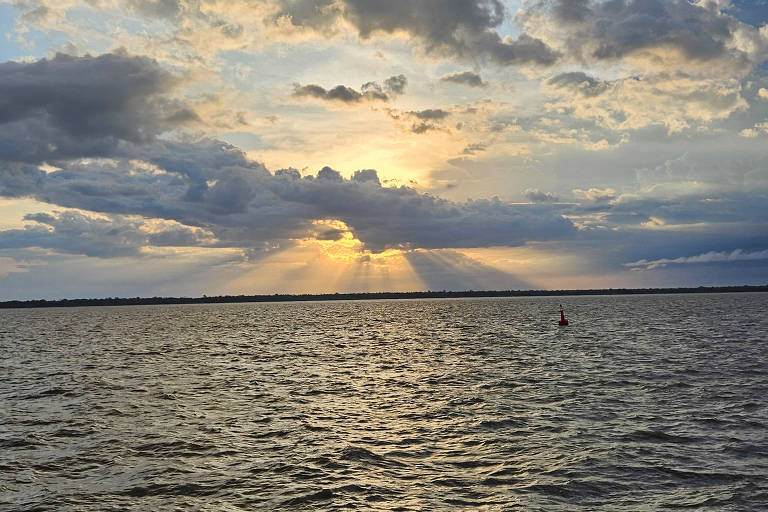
759 129
595 194
707 257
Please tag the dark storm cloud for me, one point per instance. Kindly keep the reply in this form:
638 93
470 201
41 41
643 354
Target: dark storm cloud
211 185
370 91
416 220
459 29
581 82
468 78
614 29
84 106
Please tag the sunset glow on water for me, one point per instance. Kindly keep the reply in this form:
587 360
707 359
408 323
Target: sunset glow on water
641 403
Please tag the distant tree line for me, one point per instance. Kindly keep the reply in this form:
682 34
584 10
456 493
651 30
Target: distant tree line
227 299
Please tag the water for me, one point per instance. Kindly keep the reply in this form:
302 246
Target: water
642 403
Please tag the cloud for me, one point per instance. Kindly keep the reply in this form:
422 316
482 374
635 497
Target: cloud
420 128
661 34
318 15
678 101
170 9
119 150
98 121
370 91
191 17
99 236
581 82
340 93
468 78
758 129
451 29
184 32
595 194
537 196
472 149
708 257
367 176
686 205
421 121
207 184
678 217
211 185
431 114
395 84
84 106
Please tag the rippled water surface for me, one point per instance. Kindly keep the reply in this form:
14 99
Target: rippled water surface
642 403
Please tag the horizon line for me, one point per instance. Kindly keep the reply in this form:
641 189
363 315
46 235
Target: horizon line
309 297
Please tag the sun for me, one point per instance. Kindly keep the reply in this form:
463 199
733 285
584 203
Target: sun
336 241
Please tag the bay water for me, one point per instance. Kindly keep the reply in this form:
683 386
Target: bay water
655 402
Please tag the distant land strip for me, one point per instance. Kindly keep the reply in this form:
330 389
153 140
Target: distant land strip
228 299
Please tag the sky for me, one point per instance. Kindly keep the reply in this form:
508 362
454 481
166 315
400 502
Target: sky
190 147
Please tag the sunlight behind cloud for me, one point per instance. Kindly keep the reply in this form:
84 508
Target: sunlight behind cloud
324 266
462 144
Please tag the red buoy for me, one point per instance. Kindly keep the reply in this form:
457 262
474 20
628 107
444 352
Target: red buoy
562 321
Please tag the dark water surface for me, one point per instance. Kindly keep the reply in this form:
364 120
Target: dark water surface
642 403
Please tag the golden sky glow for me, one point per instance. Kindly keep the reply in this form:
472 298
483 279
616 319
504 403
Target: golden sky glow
264 146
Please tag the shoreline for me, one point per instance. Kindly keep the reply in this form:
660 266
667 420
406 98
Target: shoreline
231 299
